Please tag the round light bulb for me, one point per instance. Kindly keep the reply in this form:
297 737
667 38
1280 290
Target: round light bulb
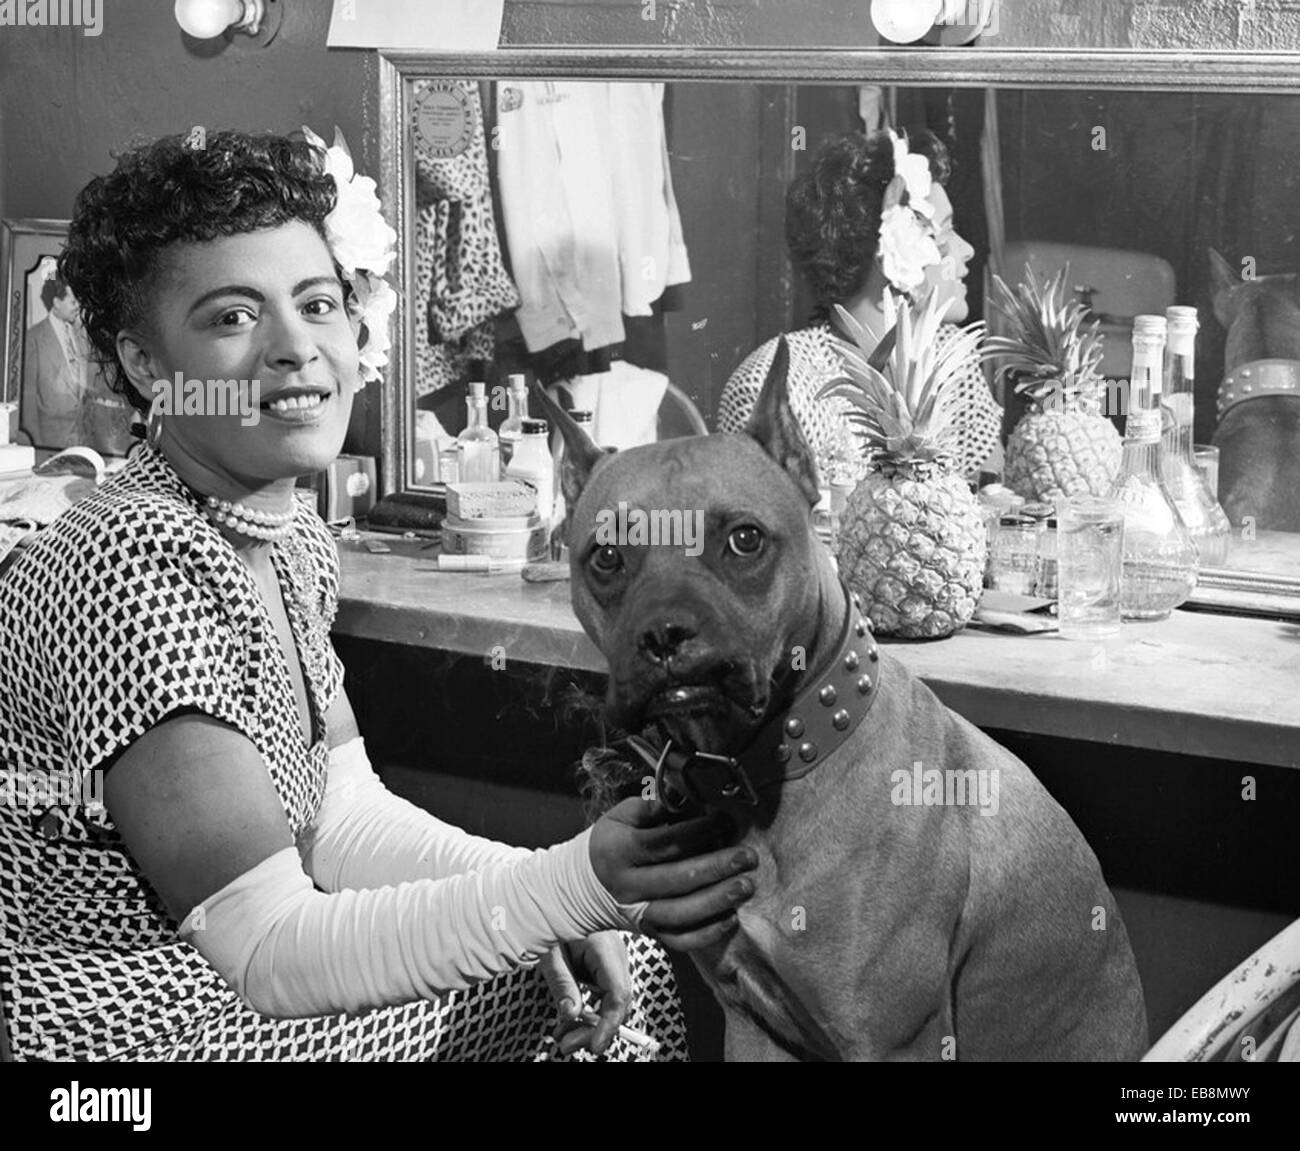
204 19
904 21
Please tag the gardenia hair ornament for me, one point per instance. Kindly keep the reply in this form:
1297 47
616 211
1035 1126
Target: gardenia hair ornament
907 240
364 246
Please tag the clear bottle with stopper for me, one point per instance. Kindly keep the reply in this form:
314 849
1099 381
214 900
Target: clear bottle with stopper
512 428
1160 559
478 447
1205 519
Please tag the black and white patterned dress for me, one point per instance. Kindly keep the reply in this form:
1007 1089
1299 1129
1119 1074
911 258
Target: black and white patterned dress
814 362
130 608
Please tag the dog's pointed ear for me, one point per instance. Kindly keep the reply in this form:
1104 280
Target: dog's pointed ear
1222 282
777 432
580 454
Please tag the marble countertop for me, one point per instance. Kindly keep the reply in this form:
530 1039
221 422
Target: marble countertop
1199 684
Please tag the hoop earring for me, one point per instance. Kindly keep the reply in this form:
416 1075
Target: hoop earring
153 430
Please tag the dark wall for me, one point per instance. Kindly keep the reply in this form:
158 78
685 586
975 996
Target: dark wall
71 99
726 143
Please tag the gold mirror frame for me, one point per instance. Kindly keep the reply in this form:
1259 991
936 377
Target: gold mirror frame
1219 589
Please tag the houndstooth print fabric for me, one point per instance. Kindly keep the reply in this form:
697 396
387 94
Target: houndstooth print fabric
130 608
814 362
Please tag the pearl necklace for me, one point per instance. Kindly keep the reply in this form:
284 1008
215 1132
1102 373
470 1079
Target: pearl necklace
256 525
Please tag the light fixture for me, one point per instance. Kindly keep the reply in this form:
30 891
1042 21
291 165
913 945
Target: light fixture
939 22
905 21
964 21
205 19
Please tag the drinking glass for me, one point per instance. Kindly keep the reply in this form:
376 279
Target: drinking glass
1090 562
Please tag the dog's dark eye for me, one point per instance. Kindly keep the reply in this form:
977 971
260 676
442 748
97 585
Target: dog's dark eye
746 541
607 560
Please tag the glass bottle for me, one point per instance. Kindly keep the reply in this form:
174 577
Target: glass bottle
1205 519
1160 561
1146 377
532 466
512 428
479 450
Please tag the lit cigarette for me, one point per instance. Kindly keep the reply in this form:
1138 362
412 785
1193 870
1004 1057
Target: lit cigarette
631 1034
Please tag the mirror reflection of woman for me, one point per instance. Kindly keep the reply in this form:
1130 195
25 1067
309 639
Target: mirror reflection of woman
851 249
204 864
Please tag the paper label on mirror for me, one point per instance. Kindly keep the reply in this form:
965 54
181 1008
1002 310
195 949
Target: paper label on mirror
444 118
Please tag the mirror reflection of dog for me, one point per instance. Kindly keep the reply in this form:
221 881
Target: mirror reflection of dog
899 914
1258 435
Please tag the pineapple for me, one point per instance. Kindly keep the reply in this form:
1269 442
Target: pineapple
912 542
1063 445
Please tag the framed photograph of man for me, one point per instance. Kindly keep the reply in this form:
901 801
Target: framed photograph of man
54 391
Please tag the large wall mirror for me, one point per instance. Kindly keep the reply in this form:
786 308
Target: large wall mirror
1160 181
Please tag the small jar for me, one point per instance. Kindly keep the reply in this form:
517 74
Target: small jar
995 501
1014 555
1047 576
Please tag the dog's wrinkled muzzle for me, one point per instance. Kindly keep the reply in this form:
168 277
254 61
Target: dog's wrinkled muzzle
827 708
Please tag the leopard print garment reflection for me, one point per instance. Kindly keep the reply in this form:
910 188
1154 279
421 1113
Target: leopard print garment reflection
129 608
461 283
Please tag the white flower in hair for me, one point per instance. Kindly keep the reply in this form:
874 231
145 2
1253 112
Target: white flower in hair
915 171
907 241
375 301
907 248
364 246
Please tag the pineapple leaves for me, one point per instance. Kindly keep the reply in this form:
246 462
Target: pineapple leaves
1049 340
899 388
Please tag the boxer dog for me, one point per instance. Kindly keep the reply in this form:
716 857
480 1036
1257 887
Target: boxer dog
919 895
1259 400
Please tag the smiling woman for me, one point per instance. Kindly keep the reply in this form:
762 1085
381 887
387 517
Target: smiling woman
247 881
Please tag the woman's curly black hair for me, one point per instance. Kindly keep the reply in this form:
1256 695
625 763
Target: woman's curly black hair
832 211
170 191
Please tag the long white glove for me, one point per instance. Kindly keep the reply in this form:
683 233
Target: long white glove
292 951
365 836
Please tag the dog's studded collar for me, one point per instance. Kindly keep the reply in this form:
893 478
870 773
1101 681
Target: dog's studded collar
1256 380
823 715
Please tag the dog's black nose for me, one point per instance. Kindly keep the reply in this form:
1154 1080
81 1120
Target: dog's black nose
663 642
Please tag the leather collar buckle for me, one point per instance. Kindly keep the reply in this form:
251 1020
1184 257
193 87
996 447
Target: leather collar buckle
686 777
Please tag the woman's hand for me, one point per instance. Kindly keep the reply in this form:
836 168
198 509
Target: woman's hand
690 884
601 961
